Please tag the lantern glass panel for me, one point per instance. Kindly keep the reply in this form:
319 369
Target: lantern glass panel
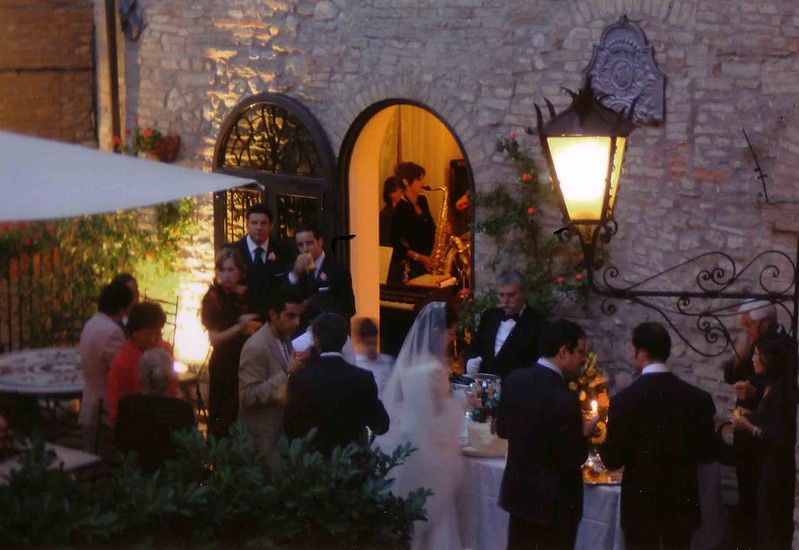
581 164
618 160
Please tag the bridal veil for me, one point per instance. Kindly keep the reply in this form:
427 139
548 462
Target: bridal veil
423 412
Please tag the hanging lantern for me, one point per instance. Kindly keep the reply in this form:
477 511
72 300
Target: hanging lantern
584 150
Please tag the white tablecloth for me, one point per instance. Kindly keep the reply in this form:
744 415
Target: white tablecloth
484 525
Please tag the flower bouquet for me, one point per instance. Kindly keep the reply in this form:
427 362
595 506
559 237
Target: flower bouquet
592 392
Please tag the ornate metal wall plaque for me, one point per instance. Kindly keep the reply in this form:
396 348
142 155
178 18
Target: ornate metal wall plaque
623 73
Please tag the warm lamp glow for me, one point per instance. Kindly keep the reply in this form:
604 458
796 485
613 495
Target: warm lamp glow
179 367
594 407
191 340
581 164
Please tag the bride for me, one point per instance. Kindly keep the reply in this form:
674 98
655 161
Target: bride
424 412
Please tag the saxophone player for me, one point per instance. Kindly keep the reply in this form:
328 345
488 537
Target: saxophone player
413 229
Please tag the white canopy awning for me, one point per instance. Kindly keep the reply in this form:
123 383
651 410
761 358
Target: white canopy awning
42 179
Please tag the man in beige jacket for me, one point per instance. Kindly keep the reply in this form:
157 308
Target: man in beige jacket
266 361
100 340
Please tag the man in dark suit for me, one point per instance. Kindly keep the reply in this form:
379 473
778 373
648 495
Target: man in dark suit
265 258
337 398
659 429
319 277
542 486
507 337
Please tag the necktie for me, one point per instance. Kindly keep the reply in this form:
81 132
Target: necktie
258 261
507 317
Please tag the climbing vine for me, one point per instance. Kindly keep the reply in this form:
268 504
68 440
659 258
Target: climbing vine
513 220
53 270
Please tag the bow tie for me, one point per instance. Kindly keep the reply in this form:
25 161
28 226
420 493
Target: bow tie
514 317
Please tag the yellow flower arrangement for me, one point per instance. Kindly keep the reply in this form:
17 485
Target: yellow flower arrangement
590 385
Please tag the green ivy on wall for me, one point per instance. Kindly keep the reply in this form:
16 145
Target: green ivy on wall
57 268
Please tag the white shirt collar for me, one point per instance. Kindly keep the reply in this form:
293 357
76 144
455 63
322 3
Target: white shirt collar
544 362
655 368
331 354
252 246
521 311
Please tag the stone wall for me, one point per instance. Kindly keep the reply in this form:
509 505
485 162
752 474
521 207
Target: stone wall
46 69
481 65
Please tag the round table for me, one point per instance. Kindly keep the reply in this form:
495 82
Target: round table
44 372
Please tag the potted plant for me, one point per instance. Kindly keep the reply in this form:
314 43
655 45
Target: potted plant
149 143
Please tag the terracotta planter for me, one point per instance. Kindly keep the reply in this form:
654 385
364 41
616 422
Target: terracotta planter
167 149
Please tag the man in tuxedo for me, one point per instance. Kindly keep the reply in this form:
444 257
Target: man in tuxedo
542 486
659 428
332 395
265 259
507 337
319 277
266 361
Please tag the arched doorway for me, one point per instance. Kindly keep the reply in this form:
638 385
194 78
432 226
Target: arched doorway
384 135
276 141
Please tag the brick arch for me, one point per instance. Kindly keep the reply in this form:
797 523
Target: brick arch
675 12
412 89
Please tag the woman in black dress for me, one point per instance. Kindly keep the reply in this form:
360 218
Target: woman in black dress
225 316
773 426
413 230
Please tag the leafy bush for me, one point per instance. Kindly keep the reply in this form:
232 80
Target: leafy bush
218 493
46 506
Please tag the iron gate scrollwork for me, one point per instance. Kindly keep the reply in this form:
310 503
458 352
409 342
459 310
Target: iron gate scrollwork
269 138
277 142
715 290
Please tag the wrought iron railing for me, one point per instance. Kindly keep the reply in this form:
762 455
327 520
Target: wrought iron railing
37 305
709 288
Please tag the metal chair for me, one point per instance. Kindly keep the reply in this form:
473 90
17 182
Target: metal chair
171 309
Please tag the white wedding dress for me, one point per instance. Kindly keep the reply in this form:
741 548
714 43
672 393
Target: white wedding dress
424 412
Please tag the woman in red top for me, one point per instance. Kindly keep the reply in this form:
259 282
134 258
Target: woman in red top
146 320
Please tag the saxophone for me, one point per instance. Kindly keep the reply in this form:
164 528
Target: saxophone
443 232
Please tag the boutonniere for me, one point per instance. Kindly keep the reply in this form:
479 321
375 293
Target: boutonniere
271 257
322 276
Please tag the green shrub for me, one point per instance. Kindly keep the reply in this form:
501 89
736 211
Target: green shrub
46 506
218 493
